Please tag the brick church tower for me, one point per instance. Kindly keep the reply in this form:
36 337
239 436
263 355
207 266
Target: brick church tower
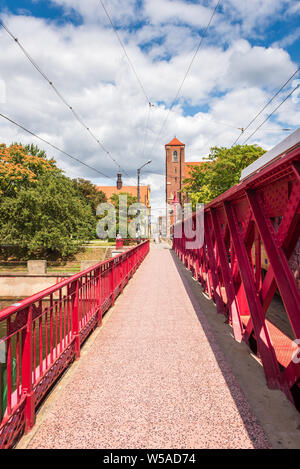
174 169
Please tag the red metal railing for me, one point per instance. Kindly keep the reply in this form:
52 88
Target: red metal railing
41 336
256 223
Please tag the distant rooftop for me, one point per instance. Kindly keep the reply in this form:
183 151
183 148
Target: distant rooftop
175 142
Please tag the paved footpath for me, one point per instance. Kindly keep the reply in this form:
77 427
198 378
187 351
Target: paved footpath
151 378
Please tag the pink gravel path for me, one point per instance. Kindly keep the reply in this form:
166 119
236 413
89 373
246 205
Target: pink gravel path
151 379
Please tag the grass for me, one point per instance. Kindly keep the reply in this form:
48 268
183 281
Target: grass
70 266
100 242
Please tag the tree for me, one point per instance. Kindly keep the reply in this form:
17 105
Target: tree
115 200
46 220
43 213
22 166
219 171
89 192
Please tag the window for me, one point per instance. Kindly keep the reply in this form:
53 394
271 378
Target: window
175 179
175 156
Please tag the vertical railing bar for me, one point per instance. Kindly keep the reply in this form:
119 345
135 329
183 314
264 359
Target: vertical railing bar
8 369
60 319
64 322
46 338
34 349
75 317
18 365
41 344
56 328
27 375
51 328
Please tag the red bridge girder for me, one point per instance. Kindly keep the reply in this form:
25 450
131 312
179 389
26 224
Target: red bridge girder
262 213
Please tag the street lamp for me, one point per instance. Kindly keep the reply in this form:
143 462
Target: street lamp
138 200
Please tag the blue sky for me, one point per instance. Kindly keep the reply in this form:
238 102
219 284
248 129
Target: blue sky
41 9
273 31
250 50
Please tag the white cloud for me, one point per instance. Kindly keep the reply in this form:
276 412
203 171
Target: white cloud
88 66
175 11
289 39
256 14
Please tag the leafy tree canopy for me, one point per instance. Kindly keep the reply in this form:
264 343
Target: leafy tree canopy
46 220
219 171
89 192
43 212
131 199
22 166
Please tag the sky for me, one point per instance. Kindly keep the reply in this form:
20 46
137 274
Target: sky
249 51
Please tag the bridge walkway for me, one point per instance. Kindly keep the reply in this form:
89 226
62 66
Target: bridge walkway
151 378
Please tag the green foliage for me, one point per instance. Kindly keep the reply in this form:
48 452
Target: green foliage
219 171
88 191
131 199
43 213
115 200
47 220
22 166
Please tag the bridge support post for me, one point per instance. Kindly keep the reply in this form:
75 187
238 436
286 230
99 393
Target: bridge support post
112 284
27 388
99 297
75 320
121 274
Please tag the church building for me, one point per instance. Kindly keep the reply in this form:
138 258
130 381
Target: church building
177 169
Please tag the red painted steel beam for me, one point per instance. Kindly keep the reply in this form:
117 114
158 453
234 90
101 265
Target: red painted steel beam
213 268
232 304
282 272
264 343
237 222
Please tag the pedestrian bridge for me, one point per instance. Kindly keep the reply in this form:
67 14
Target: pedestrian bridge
143 361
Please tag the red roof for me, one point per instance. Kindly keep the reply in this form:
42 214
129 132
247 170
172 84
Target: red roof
109 191
175 142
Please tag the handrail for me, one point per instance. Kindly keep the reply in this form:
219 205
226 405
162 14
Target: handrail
37 296
43 334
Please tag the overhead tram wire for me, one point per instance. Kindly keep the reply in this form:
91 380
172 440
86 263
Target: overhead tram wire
150 105
125 52
243 130
54 146
186 74
61 97
268 117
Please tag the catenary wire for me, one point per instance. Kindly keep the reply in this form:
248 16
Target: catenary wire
268 117
54 146
61 97
186 74
124 50
243 130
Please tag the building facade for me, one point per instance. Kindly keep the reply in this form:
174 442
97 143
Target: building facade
177 169
109 191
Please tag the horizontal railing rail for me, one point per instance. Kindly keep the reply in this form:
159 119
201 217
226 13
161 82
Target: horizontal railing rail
251 251
42 334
